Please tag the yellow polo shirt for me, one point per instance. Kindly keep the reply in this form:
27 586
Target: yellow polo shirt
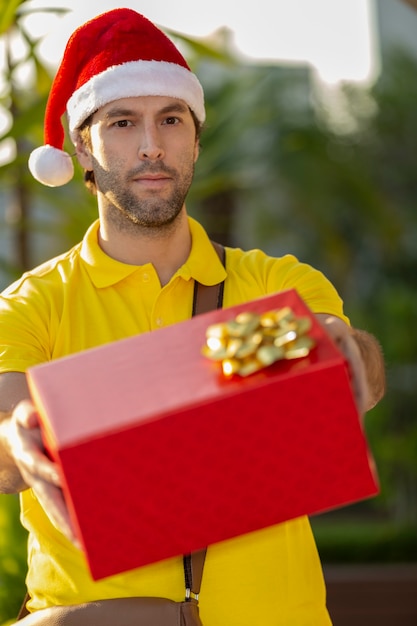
84 298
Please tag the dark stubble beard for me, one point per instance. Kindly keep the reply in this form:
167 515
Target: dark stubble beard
129 213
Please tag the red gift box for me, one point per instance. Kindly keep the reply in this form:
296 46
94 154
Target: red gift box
163 455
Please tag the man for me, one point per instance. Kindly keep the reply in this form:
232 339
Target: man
135 112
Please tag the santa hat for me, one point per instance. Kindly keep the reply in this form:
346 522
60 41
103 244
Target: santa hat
118 54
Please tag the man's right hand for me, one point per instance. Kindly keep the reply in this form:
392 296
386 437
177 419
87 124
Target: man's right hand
37 471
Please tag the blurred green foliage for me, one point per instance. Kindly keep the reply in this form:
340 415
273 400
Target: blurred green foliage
349 541
12 558
283 170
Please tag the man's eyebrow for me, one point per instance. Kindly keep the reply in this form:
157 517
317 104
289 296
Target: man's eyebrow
175 107
118 112
172 107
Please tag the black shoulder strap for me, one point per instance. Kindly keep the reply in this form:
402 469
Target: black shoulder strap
206 298
209 297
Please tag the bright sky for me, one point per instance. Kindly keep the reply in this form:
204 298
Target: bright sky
336 36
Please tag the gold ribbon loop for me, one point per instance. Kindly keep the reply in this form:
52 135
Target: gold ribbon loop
251 341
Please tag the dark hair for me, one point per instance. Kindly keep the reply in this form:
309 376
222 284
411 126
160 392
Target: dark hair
84 133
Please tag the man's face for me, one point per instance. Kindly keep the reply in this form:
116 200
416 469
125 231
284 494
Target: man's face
142 152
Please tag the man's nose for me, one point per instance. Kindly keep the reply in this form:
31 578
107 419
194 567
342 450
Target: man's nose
150 146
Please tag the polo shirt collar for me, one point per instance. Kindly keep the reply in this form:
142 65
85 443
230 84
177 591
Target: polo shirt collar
102 269
202 265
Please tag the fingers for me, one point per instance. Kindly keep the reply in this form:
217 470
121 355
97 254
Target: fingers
25 415
27 446
342 335
52 501
350 349
37 470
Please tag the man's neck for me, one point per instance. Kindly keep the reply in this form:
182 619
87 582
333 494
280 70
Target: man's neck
166 248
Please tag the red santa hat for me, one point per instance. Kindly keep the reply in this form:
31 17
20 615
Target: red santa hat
118 54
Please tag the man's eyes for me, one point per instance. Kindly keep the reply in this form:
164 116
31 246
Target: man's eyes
122 123
171 120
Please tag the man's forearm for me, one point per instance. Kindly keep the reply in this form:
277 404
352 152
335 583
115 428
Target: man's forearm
10 478
13 389
373 358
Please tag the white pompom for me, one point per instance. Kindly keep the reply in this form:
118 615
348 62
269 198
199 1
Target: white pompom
51 166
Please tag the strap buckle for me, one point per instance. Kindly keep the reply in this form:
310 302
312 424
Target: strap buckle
190 595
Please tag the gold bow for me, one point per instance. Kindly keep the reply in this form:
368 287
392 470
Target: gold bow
253 341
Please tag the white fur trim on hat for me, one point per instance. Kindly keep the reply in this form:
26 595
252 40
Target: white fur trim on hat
51 166
135 78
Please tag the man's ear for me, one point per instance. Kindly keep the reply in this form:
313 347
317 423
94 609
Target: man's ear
84 155
196 151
